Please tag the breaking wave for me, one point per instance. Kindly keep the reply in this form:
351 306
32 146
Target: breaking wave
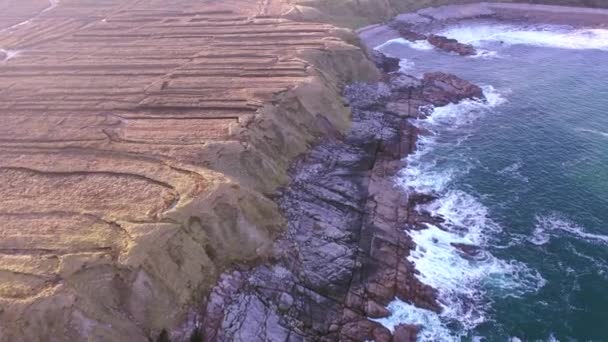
553 36
417 45
462 279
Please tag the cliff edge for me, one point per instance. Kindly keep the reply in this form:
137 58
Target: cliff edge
142 146
139 146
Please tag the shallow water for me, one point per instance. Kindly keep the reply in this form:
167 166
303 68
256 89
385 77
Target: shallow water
525 176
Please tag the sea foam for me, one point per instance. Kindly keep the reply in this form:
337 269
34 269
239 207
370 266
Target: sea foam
556 224
554 36
417 45
461 281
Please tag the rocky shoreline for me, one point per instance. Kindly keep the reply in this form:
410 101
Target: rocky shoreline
344 255
420 25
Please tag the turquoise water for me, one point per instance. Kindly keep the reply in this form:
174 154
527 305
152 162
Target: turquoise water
525 176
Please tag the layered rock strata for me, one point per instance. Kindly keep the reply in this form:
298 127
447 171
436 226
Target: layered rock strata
344 255
142 143
139 144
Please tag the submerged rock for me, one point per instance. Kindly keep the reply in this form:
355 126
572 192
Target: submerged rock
420 198
451 45
406 333
469 251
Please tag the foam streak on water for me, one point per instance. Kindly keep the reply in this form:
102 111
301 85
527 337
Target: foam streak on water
461 281
556 224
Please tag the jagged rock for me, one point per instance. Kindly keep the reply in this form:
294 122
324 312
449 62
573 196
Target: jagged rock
384 62
451 45
469 251
420 198
285 301
375 310
344 255
143 163
402 82
441 89
406 31
365 330
406 333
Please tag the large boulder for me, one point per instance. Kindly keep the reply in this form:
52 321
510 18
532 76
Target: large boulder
384 62
451 45
406 31
406 333
441 89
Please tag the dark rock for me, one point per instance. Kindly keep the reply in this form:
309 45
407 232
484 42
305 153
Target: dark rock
406 333
441 89
420 198
364 330
384 62
419 218
402 82
451 45
375 310
406 31
343 256
469 251
285 301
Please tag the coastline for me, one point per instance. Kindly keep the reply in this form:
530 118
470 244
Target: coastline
192 189
426 25
351 291
429 19
344 256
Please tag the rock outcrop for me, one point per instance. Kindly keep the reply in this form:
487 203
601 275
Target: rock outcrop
142 147
406 30
344 255
441 89
451 45
385 63
141 144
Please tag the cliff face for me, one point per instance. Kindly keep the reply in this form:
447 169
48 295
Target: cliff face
139 144
142 143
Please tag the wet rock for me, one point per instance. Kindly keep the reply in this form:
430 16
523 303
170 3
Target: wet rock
406 31
406 333
468 251
421 198
402 82
343 257
285 301
375 310
364 330
441 89
451 45
384 62
420 218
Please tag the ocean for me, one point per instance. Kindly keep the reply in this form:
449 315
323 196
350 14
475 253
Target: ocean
522 174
